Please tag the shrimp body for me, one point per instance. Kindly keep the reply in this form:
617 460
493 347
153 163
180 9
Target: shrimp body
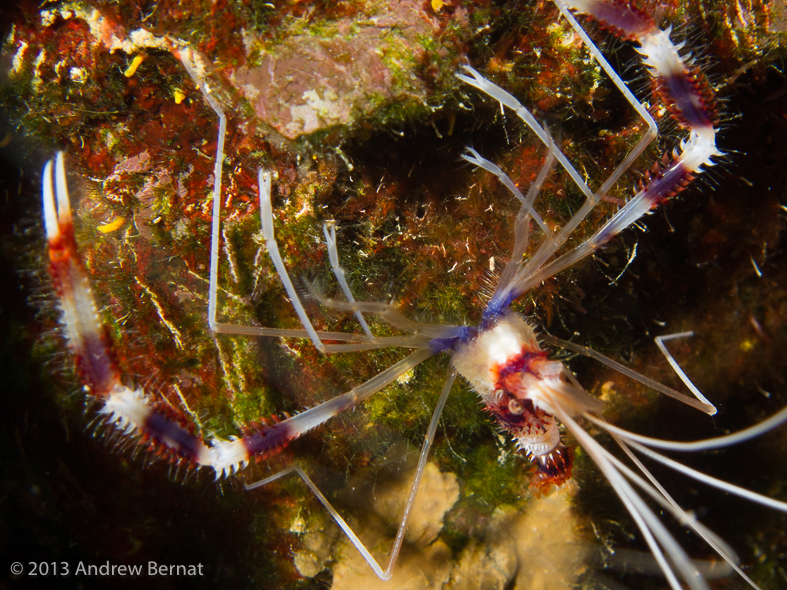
517 383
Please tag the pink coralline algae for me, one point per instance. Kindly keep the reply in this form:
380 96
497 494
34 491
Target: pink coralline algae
326 76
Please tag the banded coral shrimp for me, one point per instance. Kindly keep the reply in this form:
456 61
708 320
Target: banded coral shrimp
343 253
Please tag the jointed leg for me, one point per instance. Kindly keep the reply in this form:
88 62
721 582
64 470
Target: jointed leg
703 404
269 440
630 442
338 271
476 159
501 296
365 341
354 539
193 65
676 367
687 519
548 248
690 100
420 332
659 540
592 199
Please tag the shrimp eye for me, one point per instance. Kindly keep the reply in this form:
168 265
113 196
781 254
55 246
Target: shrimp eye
515 407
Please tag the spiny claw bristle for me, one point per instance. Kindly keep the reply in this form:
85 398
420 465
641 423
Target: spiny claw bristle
227 456
50 216
57 208
63 203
